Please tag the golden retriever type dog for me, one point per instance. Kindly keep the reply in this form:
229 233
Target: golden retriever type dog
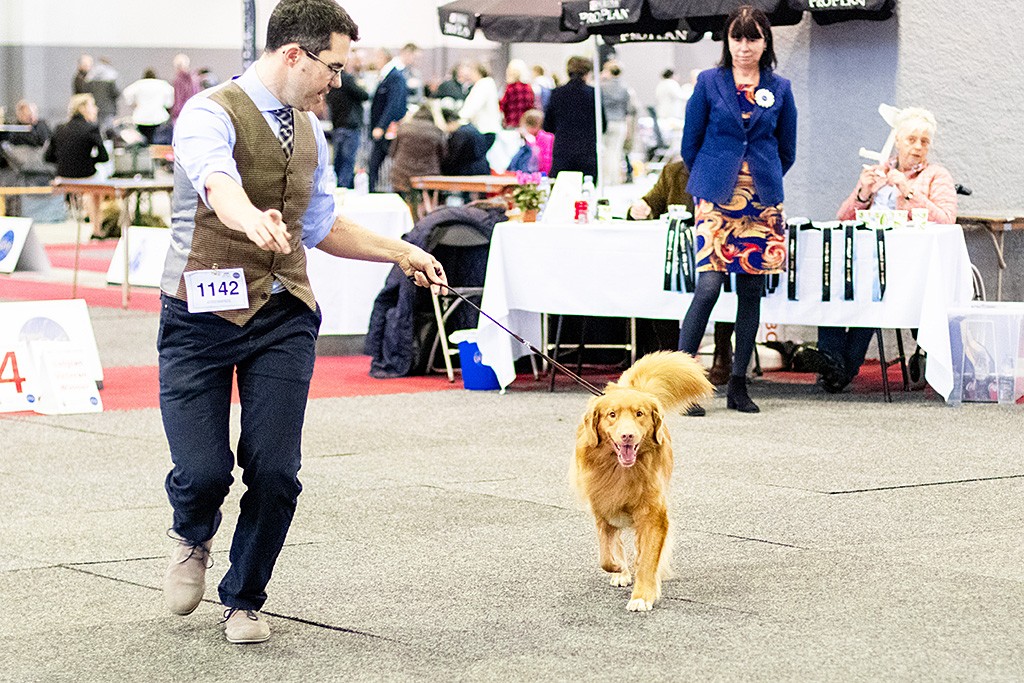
624 463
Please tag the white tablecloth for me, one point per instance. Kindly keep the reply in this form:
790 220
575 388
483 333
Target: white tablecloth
344 288
617 269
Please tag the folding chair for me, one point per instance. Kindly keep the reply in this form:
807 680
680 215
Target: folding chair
458 236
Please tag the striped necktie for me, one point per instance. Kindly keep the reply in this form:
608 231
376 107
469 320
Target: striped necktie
287 132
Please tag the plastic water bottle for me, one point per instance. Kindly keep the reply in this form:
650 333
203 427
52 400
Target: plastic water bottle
589 195
361 182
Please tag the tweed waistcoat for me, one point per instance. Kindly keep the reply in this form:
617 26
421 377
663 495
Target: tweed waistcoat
271 181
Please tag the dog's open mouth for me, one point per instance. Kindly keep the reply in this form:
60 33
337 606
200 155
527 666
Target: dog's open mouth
626 453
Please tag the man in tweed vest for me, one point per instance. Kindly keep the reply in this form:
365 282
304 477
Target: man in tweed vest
250 193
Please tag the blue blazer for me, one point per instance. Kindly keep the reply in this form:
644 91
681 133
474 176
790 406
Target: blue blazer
715 141
390 101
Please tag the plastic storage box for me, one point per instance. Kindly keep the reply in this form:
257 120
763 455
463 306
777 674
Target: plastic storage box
987 344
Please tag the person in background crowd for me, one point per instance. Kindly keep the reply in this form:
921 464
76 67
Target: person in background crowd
207 79
452 93
102 84
76 148
570 117
908 181
481 105
417 149
669 189
542 86
620 107
388 107
27 114
668 97
466 151
736 167
85 65
539 141
346 109
149 98
250 196
186 84
518 96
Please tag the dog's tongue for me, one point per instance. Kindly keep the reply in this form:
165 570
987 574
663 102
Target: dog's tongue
627 454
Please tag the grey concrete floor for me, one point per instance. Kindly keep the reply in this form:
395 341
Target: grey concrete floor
827 538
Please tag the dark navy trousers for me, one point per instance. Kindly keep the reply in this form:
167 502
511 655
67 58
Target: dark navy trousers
848 345
272 356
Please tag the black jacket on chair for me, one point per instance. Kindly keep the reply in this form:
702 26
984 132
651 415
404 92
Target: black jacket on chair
72 146
401 311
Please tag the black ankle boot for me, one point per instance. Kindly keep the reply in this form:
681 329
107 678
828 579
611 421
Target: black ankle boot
696 410
736 396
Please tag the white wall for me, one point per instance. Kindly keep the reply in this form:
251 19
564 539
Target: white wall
122 23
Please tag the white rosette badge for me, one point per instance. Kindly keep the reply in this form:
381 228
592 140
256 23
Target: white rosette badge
763 97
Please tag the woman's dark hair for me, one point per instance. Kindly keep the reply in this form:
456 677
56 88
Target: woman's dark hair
578 67
751 23
668 73
310 23
149 73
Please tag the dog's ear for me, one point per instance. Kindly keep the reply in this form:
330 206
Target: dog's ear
589 432
659 425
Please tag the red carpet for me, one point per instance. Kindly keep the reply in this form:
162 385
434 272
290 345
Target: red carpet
333 377
141 298
94 257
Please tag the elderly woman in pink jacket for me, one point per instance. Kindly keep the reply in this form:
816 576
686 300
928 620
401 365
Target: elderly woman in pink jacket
908 181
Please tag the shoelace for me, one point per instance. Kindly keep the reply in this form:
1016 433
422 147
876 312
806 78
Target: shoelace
193 547
249 613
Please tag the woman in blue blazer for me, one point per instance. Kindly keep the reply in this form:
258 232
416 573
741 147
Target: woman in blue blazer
739 139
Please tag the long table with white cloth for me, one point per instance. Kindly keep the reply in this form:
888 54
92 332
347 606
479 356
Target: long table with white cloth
617 269
344 288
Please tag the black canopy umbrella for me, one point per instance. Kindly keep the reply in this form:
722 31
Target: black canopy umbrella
666 20
827 12
508 21
625 21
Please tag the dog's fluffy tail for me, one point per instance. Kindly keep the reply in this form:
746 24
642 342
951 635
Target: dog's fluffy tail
676 378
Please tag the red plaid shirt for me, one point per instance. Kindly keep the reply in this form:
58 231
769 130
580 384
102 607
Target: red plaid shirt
518 98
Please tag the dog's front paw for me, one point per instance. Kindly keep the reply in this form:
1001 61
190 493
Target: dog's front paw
640 605
621 579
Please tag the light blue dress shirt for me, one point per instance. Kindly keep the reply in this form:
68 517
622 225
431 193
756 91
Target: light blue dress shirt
204 140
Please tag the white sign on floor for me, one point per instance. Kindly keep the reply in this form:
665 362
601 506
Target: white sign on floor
20 249
147 251
60 381
24 323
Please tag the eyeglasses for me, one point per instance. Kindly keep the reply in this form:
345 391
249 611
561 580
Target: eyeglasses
336 72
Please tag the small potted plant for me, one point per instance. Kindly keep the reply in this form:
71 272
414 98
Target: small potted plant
527 195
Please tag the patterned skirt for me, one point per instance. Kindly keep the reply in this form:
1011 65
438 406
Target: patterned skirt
742 236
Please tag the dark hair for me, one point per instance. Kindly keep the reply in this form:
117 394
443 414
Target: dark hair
149 73
668 73
310 23
751 23
578 67
482 69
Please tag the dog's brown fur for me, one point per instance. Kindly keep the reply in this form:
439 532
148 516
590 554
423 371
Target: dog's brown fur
624 463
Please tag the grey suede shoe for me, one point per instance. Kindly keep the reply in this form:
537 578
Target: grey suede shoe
185 580
245 626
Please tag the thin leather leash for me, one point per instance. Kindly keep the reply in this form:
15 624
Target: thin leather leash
579 380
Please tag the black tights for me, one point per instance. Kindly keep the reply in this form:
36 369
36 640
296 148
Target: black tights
748 315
